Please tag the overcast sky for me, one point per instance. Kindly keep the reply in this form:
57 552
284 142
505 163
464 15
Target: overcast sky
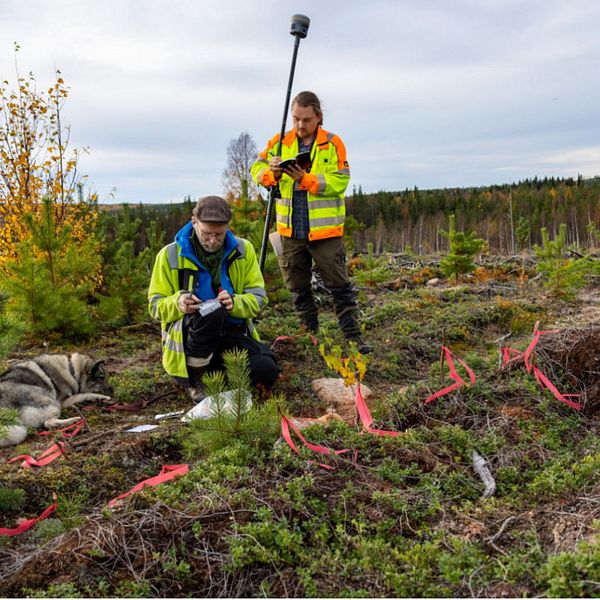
423 93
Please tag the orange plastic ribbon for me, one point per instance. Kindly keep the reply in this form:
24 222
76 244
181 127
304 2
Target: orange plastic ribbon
512 354
67 432
48 456
458 380
29 523
167 473
365 416
287 424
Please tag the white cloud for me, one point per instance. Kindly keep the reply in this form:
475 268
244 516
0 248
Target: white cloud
423 93
574 161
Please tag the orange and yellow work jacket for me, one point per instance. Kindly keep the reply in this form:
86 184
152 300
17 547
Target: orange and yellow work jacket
325 183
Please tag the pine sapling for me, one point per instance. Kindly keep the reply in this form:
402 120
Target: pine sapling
11 331
563 275
126 282
233 418
49 283
375 270
523 234
463 248
12 499
8 417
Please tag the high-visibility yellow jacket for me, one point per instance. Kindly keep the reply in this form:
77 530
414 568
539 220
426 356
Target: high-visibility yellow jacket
177 271
325 184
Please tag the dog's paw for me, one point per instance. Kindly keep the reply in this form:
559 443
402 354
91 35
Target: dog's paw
98 398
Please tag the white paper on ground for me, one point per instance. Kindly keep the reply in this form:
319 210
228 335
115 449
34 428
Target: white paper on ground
170 415
139 428
204 408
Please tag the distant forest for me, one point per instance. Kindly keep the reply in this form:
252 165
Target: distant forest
509 217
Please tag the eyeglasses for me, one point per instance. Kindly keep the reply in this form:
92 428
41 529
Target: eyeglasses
209 235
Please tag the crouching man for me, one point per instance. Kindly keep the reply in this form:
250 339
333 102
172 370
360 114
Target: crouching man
205 289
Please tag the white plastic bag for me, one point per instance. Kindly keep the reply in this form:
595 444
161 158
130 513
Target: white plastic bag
204 408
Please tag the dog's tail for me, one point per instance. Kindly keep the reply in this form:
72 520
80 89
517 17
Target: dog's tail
13 435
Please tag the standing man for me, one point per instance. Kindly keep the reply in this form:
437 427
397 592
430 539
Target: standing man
310 214
205 289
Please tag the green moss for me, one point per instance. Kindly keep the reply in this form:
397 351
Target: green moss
135 383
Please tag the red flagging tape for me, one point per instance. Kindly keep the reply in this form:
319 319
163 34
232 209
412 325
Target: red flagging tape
509 354
506 355
365 416
29 523
286 424
48 456
67 432
545 382
167 473
458 380
52 453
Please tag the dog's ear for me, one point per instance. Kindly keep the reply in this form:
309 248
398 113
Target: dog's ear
97 370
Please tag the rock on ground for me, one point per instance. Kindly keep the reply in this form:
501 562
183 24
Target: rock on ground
338 397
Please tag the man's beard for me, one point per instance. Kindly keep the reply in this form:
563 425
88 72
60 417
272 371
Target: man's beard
211 246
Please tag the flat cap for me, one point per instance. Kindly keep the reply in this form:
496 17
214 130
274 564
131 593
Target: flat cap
212 209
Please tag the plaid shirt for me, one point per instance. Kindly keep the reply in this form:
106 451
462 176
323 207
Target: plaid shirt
300 224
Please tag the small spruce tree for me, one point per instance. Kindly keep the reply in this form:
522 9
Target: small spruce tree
233 417
12 499
247 219
563 275
11 330
523 232
127 280
52 277
463 248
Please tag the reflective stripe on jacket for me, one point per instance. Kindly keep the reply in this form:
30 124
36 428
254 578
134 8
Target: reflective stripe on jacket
177 271
325 184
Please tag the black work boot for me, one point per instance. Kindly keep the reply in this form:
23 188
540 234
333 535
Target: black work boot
361 345
195 391
305 305
310 323
346 310
351 330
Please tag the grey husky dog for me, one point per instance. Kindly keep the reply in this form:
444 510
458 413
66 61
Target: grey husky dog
39 388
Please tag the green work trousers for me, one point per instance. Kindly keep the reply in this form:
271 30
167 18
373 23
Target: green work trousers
329 256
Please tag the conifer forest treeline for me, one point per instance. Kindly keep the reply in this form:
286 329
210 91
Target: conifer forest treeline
508 217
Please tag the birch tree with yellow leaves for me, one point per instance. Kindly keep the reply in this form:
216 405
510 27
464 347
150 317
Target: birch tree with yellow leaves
36 162
41 190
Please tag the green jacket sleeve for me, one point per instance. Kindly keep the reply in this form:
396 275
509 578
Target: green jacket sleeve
260 170
163 293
